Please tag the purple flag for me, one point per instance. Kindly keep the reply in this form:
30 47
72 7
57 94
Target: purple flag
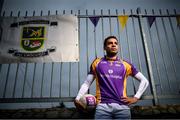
151 20
178 21
94 20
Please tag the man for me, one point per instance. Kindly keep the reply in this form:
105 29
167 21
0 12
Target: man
111 74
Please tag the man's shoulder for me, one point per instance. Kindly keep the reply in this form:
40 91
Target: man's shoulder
98 59
125 61
95 63
128 64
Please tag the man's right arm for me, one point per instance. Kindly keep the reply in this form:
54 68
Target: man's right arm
83 90
85 86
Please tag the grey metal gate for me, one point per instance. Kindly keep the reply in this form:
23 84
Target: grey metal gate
154 50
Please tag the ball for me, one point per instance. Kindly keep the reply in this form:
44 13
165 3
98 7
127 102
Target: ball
88 102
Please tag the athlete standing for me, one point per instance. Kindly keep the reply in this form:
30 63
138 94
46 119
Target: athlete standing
111 74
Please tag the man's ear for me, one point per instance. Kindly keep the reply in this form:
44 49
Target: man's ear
104 52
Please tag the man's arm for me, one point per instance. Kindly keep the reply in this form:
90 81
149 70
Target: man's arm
142 87
85 86
83 90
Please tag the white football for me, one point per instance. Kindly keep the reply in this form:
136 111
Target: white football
88 101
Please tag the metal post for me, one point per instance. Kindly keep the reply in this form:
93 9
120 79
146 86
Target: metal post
147 58
1 5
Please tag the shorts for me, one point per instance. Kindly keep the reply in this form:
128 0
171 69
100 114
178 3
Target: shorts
112 111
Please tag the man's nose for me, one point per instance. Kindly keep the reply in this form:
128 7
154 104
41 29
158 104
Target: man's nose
114 45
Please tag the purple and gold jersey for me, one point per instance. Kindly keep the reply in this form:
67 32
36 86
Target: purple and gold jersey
111 79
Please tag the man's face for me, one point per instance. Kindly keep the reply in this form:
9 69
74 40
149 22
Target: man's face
111 47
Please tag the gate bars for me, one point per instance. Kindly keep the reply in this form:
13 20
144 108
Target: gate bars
58 70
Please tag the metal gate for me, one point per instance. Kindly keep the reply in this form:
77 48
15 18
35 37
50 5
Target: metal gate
154 50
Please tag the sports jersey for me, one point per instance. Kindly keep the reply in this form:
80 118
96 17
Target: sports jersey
111 77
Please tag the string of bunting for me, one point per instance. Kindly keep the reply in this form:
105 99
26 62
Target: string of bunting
151 20
94 20
178 21
124 18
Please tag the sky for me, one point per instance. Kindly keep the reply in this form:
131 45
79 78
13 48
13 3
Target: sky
52 5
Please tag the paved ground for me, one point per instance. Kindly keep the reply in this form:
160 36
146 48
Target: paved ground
138 112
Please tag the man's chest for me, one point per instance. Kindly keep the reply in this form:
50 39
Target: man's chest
114 69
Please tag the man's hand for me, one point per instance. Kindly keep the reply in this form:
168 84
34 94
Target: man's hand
129 100
79 105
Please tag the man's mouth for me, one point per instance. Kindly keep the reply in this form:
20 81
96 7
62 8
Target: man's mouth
113 49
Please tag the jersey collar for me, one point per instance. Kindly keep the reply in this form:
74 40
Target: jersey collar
110 59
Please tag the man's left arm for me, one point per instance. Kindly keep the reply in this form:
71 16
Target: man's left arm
142 87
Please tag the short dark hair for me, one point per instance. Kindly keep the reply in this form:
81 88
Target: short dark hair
107 38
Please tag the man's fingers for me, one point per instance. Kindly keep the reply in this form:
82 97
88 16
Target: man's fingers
124 97
125 100
129 100
79 105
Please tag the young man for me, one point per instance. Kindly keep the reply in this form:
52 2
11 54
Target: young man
111 74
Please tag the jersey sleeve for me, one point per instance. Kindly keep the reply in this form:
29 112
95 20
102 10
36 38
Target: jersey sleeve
91 69
130 69
93 66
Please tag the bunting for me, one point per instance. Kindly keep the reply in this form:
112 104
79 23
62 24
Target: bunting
151 20
178 21
123 21
94 20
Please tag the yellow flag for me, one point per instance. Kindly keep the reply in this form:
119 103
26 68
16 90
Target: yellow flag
123 20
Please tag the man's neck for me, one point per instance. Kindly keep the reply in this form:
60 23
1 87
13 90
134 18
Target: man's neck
111 57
